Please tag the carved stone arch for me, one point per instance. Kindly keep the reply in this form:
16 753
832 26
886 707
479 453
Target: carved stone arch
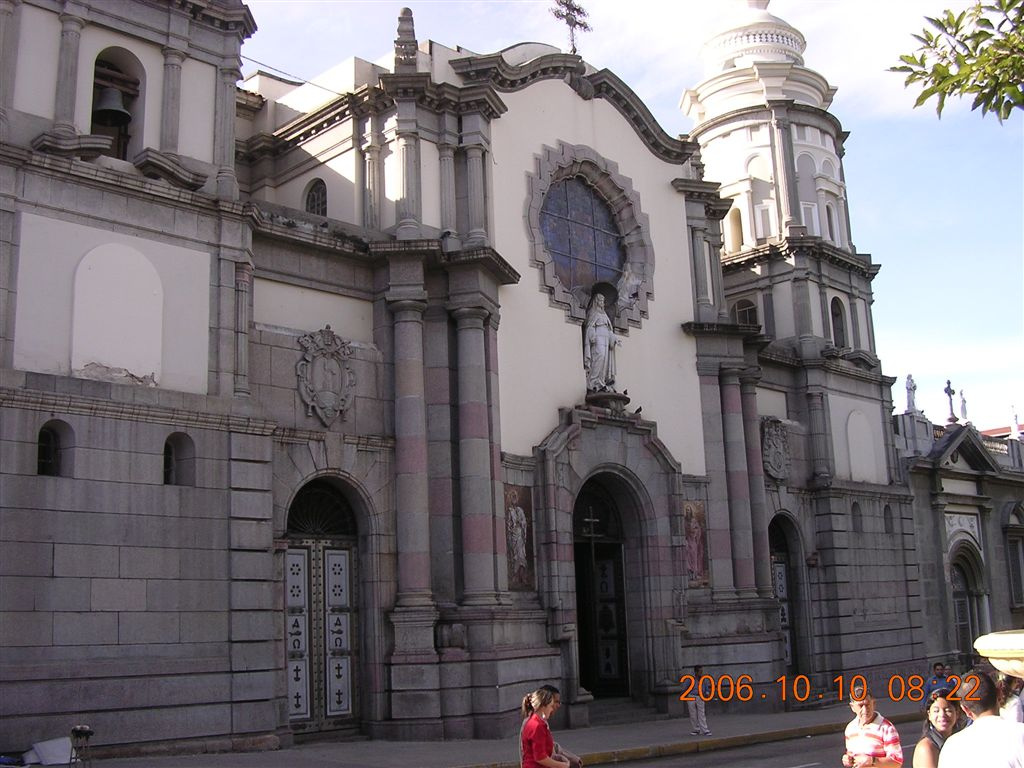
636 287
627 456
368 523
964 551
370 555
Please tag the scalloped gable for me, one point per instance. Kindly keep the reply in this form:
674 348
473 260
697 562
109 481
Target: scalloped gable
496 71
967 442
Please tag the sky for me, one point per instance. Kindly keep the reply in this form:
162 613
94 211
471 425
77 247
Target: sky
939 203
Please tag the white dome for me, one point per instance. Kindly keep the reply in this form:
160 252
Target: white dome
751 35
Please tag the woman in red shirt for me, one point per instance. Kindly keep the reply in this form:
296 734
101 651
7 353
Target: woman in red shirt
536 741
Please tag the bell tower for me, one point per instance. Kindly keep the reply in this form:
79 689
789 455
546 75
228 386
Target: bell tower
762 120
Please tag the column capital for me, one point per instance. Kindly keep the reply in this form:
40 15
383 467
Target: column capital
749 378
173 55
407 306
70 20
470 317
730 372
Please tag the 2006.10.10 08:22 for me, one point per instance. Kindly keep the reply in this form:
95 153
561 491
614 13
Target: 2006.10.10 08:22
798 688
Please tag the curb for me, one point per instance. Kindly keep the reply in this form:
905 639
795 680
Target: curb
671 749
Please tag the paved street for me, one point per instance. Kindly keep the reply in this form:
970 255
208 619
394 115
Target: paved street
807 752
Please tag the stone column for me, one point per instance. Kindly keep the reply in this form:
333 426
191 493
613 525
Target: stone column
755 482
720 546
171 106
67 74
411 457
371 175
747 217
243 314
701 288
224 136
477 235
737 484
785 169
8 64
497 485
475 490
449 234
713 239
409 203
820 465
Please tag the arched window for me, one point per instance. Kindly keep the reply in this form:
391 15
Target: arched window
888 520
117 101
838 323
734 231
856 518
581 235
744 312
316 198
53 449
179 460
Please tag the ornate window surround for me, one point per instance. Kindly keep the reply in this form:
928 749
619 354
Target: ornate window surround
635 288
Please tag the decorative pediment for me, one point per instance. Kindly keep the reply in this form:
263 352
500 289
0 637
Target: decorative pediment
966 444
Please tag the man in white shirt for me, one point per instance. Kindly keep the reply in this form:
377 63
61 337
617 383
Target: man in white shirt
990 741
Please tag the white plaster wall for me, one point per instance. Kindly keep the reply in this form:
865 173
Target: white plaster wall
95 40
38 47
430 175
341 187
47 259
304 309
198 99
859 451
117 312
540 353
771 402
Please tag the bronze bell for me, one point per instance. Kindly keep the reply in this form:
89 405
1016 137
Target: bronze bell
109 110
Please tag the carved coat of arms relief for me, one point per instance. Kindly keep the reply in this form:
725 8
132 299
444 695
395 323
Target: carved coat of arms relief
775 449
326 379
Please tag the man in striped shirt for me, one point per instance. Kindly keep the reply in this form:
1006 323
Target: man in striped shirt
871 740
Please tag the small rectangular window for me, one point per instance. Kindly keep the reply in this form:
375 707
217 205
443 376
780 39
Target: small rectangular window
762 222
809 212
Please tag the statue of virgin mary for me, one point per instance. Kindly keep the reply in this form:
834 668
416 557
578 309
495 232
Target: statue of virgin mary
599 342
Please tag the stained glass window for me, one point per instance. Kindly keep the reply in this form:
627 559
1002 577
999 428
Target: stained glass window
581 235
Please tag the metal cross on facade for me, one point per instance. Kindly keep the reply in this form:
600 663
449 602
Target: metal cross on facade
949 394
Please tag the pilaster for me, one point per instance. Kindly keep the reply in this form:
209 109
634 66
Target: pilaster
8 64
755 482
736 473
170 117
67 74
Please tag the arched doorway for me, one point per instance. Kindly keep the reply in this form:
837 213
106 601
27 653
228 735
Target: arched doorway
783 543
600 592
322 616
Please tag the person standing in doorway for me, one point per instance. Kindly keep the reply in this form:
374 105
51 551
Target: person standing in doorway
698 717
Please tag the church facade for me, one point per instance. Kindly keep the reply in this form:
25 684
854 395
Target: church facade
367 405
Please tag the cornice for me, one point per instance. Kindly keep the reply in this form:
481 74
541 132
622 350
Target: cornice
485 257
812 247
57 404
281 227
493 69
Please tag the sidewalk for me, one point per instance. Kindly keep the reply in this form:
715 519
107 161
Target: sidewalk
599 745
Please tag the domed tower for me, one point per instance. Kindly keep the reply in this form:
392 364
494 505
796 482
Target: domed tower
766 135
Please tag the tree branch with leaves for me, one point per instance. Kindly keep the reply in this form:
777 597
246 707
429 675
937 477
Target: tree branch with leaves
978 52
574 16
